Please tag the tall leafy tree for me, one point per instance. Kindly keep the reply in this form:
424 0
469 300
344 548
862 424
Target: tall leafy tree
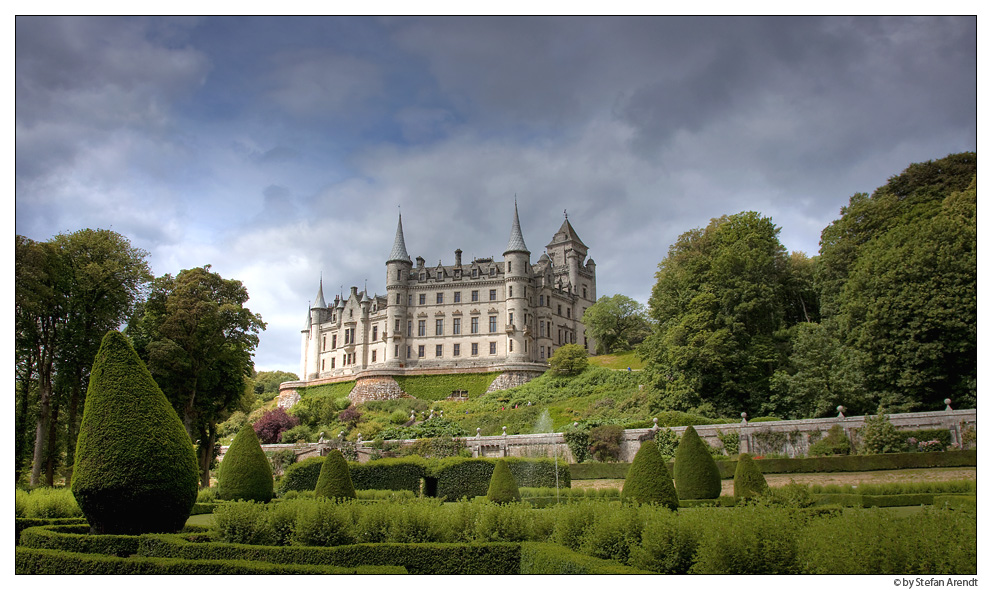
70 291
719 303
898 275
617 323
198 339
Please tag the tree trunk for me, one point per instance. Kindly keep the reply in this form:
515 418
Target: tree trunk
51 459
41 430
205 453
21 444
72 425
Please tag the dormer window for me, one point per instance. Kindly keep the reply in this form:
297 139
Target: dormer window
423 276
475 273
492 271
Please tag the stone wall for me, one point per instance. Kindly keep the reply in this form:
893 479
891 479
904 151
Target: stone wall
510 379
375 388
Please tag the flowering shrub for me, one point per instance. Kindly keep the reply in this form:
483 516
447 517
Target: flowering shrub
930 446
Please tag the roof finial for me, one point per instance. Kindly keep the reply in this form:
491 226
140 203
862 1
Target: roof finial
566 214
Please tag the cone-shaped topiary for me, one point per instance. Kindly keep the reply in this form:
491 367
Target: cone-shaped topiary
648 480
245 472
748 480
135 469
502 487
334 480
696 475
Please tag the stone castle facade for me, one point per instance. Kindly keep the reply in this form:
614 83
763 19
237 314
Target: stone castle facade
504 315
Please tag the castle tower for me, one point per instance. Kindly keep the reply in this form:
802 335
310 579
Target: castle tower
317 313
516 259
398 267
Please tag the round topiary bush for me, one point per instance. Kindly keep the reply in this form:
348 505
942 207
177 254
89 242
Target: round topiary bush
245 472
648 480
135 469
696 475
502 487
748 480
335 479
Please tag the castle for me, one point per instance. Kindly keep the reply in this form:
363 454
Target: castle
504 316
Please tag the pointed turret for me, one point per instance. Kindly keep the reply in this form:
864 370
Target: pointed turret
399 254
319 301
516 236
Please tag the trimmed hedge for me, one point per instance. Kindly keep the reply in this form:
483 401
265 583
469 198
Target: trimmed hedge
389 474
302 476
598 470
724 501
696 474
459 477
77 539
548 558
49 562
502 486
245 473
649 480
748 480
334 480
25 523
417 558
135 469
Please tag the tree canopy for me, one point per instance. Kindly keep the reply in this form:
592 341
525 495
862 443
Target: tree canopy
198 339
617 323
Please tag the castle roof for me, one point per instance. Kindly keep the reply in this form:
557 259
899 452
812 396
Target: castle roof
567 233
319 301
399 254
516 236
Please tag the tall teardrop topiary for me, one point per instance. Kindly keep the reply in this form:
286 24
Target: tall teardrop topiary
502 487
334 480
245 472
648 480
696 475
135 469
748 480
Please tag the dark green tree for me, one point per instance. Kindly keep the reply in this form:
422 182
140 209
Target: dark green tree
334 480
502 487
135 469
648 480
617 323
245 472
898 277
719 303
696 474
198 339
748 480
267 383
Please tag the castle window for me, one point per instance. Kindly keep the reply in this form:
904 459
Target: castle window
440 298
584 296
333 362
456 326
323 342
511 292
475 295
423 298
396 328
321 364
475 273
456 349
492 324
509 266
439 327
408 351
409 299
420 351
421 328
559 309
475 325
542 353
475 349
423 276
542 329
492 294
492 348
458 274
511 345
375 332
373 356
398 299
542 301
438 350
511 318
568 311
492 271
409 328
399 275
458 296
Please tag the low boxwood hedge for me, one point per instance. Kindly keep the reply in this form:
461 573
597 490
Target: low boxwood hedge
50 561
25 523
389 474
548 558
76 538
417 558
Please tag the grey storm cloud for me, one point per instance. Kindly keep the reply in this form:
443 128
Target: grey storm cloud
280 150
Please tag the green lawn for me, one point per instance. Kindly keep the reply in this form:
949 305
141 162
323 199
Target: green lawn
618 362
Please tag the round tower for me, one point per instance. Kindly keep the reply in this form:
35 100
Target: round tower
516 258
398 267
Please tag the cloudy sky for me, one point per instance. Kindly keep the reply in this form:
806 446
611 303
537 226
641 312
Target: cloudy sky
280 150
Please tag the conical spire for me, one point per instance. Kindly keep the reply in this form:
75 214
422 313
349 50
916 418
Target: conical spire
516 236
319 301
398 253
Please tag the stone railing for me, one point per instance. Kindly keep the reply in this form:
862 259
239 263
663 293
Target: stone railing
783 437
